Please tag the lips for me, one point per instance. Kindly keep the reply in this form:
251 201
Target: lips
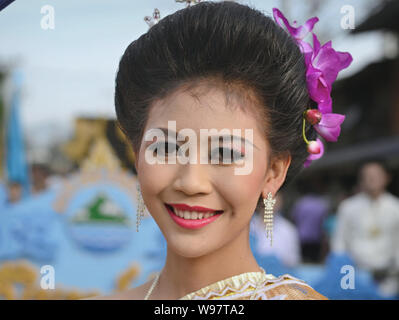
186 207
192 217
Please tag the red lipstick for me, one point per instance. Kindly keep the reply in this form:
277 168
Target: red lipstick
191 223
186 207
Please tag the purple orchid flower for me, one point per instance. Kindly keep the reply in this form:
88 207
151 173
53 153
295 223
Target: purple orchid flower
330 126
327 124
297 32
323 66
314 146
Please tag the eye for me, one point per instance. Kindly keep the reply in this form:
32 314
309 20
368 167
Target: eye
231 155
162 148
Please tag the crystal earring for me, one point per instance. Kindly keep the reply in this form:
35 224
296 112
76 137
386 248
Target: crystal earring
140 207
268 216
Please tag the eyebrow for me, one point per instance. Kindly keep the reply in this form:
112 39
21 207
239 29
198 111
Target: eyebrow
220 137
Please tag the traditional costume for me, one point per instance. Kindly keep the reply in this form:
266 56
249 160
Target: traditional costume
256 286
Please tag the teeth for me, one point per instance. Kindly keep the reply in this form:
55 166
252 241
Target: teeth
193 215
186 215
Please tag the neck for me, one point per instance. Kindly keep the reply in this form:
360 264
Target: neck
182 275
375 195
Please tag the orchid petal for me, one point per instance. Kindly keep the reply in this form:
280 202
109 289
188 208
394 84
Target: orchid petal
325 106
316 44
345 59
331 120
329 126
307 163
318 89
299 32
323 82
306 49
309 25
328 62
329 134
328 45
278 15
302 31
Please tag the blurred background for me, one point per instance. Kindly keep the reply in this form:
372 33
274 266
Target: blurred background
67 201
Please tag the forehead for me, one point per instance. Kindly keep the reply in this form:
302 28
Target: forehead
373 168
206 105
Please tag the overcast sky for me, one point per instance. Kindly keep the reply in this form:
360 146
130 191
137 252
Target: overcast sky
69 71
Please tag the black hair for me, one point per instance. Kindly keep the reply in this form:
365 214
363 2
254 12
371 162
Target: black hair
228 41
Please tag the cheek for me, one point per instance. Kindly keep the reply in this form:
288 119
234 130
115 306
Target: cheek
154 179
380 182
374 182
241 188
242 192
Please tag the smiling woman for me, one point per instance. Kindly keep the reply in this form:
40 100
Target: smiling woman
223 67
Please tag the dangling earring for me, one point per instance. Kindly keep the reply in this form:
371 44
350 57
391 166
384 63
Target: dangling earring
268 217
140 207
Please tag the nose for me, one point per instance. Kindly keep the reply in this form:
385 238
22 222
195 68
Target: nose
193 179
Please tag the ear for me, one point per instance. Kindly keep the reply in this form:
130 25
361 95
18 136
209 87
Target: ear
276 174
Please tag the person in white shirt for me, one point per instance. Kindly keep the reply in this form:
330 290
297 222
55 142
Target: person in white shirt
368 228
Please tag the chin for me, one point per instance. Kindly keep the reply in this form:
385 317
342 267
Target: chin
195 247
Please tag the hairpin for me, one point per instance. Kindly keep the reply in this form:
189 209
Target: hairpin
156 16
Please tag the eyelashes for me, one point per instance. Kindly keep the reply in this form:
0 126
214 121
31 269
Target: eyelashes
226 155
222 154
162 148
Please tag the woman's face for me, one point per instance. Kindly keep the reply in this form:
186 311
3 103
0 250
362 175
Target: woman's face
214 186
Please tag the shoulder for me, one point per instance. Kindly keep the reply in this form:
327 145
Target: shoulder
137 293
287 287
391 199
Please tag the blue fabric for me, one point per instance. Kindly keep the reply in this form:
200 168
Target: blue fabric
329 283
31 230
3 195
16 163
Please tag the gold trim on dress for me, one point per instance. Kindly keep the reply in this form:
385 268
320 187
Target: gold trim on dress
258 286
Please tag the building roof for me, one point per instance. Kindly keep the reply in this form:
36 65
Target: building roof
384 17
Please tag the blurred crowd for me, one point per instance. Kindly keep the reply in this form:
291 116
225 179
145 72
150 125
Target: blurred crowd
14 192
365 226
